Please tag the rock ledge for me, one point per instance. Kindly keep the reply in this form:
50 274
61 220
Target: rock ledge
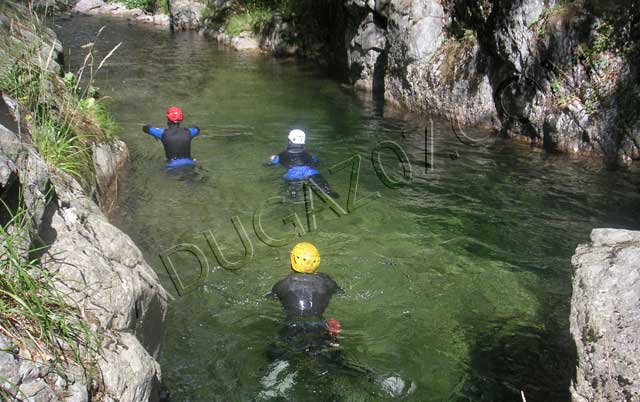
605 317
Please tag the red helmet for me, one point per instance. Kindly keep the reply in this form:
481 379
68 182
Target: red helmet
174 114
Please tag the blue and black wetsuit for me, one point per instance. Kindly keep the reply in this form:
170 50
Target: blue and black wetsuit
301 167
177 143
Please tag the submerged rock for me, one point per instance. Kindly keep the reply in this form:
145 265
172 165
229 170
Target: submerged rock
605 317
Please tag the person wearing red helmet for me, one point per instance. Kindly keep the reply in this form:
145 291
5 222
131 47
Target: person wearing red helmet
176 140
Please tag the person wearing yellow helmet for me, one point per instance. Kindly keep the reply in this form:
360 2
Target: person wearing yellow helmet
304 334
308 341
305 293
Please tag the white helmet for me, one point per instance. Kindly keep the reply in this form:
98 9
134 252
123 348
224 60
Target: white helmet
297 137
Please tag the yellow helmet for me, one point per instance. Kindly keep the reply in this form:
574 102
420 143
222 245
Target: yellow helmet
305 258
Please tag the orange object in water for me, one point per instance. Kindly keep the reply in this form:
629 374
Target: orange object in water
333 326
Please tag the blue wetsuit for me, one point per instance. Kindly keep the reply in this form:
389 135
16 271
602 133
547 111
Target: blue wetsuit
301 167
176 141
299 163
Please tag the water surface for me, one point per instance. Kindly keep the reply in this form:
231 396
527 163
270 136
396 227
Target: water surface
458 282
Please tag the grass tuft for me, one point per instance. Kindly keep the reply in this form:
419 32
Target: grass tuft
65 118
33 313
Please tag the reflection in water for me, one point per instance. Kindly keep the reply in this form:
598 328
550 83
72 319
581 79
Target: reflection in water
457 283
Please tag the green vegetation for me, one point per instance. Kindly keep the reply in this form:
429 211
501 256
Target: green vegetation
64 116
148 5
248 21
252 15
37 317
455 49
556 86
562 8
601 41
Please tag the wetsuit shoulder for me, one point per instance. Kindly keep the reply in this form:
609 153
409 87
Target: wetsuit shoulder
305 295
331 285
278 287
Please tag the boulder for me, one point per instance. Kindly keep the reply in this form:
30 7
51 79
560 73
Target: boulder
245 41
605 317
280 37
186 15
108 160
99 268
89 6
100 7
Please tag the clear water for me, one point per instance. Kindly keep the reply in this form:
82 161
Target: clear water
458 282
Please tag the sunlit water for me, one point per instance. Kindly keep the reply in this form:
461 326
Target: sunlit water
458 282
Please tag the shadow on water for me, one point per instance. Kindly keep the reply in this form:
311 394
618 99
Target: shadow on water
506 360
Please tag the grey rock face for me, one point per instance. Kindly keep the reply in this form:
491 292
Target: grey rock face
279 37
515 66
101 269
186 15
123 361
89 6
366 54
50 50
605 317
400 48
100 7
108 160
30 379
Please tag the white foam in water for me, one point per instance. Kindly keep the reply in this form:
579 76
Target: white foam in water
270 381
395 386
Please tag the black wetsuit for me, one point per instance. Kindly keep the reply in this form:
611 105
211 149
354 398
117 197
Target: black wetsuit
176 141
301 167
305 295
305 298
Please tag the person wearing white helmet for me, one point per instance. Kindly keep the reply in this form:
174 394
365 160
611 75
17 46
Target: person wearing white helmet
297 137
300 164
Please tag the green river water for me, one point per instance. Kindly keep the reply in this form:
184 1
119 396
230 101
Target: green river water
458 282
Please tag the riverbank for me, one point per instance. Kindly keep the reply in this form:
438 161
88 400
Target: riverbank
81 311
493 229
561 75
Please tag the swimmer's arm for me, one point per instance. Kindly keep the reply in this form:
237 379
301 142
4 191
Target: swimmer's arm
334 288
194 131
272 295
273 160
154 131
